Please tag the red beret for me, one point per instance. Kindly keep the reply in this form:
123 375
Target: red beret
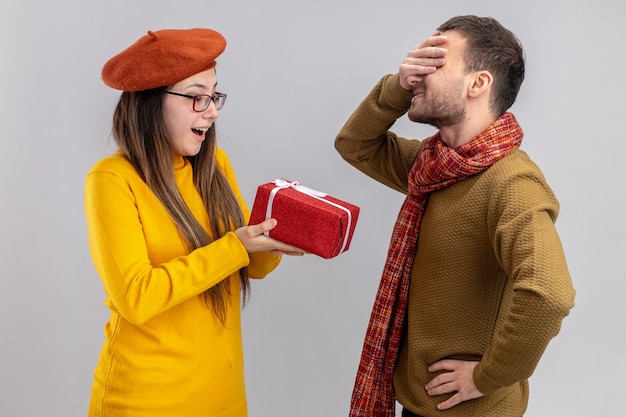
162 58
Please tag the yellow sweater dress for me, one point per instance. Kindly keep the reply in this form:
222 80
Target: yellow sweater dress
165 353
489 280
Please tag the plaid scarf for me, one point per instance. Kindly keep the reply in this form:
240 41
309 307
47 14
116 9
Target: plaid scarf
437 166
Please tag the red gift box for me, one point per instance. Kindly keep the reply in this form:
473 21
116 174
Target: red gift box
307 218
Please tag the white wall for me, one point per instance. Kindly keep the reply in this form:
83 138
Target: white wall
294 71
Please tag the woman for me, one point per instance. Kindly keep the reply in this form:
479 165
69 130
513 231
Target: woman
168 237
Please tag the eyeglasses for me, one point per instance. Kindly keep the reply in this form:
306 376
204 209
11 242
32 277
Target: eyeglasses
201 102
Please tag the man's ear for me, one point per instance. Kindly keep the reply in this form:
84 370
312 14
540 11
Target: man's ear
481 83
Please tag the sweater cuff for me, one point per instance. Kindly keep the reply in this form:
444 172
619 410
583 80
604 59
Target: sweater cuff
482 383
394 95
240 251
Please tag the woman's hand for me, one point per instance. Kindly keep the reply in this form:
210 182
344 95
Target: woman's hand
254 240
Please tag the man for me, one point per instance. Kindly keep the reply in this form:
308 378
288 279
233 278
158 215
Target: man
475 237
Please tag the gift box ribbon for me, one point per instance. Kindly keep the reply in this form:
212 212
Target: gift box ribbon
281 184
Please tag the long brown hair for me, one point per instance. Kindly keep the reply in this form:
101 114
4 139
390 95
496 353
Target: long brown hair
140 133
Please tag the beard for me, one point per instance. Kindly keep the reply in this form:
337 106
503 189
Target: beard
447 109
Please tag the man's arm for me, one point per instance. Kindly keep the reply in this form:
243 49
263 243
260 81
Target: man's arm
365 140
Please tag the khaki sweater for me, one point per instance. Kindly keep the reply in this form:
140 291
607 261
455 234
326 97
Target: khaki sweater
489 280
